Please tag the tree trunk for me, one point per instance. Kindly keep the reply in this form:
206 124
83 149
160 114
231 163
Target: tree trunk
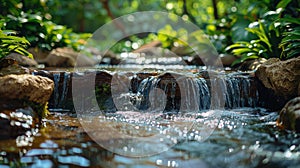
214 2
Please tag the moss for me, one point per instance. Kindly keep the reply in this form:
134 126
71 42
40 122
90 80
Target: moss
102 94
40 109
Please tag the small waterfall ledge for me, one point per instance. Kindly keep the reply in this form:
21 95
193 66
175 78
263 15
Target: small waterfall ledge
168 92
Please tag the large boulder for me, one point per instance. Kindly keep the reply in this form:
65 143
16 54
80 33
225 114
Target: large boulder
282 77
290 115
26 87
67 57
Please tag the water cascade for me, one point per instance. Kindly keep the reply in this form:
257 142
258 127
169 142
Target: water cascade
233 92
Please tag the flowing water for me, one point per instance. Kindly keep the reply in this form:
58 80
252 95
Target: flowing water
195 126
245 137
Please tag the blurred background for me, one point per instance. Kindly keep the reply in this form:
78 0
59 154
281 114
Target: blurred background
231 25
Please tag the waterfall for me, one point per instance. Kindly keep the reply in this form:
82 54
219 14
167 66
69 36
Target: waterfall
204 93
56 79
241 92
166 92
220 92
61 80
143 102
61 89
65 88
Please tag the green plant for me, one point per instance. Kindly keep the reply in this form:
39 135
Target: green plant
265 46
103 93
290 44
277 36
41 110
10 43
43 33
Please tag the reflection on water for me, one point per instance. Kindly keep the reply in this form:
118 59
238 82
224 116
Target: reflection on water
245 137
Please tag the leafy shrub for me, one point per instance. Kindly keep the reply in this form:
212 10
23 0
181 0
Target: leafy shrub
43 33
276 36
10 43
290 44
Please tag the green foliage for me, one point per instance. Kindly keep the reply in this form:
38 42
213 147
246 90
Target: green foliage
10 43
132 43
170 37
276 36
103 93
290 44
41 110
43 33
265 46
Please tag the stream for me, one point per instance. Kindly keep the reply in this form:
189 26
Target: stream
155 120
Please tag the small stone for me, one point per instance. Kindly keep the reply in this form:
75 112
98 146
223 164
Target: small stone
290 115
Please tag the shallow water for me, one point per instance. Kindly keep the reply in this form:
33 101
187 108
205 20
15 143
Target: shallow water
245 137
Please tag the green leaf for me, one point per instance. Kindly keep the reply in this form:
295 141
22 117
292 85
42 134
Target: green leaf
240 51
283 4
290 19
237 45
293 53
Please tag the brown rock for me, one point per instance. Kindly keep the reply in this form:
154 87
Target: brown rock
250 65
109 58
38 54
22 60
67 57
146 46
17 122
26 87
280 76
182 50
290 115
195 60
227 59
11 66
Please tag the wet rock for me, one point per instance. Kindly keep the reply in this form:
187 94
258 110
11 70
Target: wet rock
207 74
38 54
16 122
110 58
11 66
67 57
23 60
227 59
282 77
149 45
26 87
250 65
182 50
195 60
290 115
